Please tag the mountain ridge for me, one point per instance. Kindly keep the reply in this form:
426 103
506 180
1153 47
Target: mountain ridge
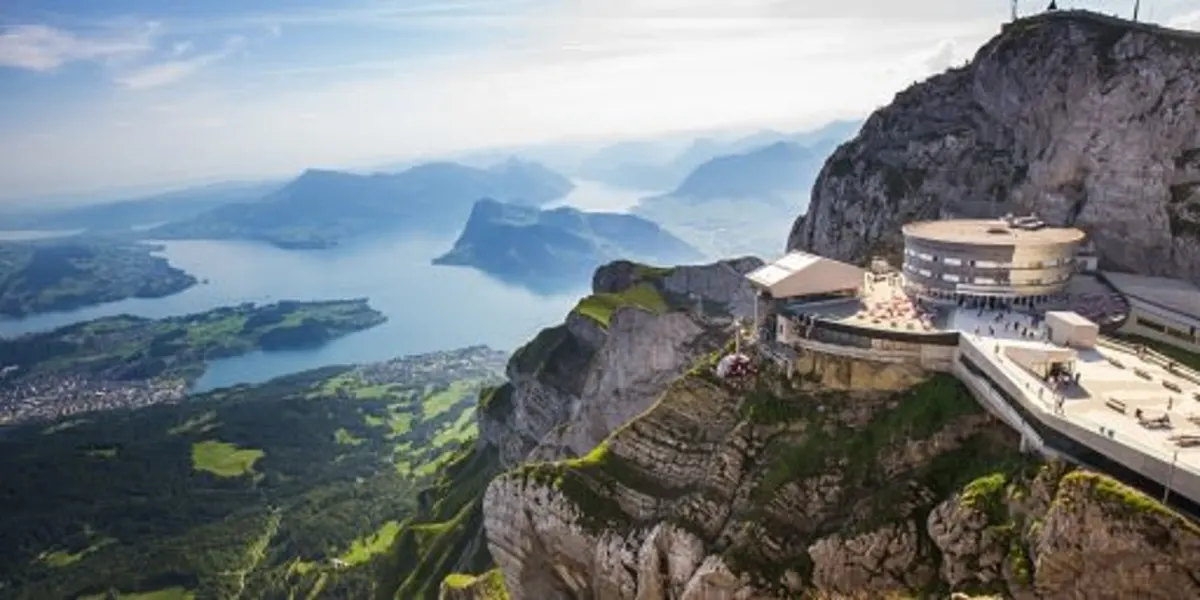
323 207
1087 120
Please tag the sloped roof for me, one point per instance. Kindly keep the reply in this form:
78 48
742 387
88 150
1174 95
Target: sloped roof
800 273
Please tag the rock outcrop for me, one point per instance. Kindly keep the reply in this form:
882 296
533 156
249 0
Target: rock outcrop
786 490
575 383
1086 120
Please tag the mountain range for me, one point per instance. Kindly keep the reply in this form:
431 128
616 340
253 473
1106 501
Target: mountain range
719 193
663 164
141 212
321 208
558 249
740 204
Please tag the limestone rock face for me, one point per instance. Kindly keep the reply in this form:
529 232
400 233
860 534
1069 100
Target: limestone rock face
1087 120
577 382
785 489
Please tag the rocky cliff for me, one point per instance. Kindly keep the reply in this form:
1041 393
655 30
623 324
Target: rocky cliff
788 490
573 384
1088 120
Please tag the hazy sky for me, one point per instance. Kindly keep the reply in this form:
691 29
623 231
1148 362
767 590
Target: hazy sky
116 93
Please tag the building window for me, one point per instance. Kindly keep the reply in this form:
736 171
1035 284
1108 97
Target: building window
956 262
925 272
1148 324
1178 334
951 277
985 281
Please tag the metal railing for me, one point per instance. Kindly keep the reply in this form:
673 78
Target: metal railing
1166 362
1019 379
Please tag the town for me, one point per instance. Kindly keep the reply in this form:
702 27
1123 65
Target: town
49 397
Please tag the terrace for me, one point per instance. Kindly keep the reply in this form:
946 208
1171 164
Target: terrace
1134 398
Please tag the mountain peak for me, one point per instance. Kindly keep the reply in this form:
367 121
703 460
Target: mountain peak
1018 144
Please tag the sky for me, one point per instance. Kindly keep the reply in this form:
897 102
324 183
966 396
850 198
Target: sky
126 93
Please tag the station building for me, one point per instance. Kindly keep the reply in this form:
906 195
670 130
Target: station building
994 261
1165 310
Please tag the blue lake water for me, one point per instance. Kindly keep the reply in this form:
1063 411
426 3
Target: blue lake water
428 307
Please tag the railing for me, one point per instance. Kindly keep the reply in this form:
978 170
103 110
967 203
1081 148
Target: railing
1153 356
1019 378
1079 452
938 338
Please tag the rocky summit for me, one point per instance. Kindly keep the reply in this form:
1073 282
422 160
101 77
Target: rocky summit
631 471
1088 120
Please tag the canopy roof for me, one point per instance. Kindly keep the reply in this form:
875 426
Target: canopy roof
1039 359
803 274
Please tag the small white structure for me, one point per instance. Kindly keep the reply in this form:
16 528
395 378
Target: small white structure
1042 361
1069 328
800 274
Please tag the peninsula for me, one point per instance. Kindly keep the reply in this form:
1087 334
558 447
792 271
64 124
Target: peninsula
127 362
58 275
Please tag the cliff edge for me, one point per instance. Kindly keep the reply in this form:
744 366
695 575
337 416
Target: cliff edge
1087 120
901 488
574 384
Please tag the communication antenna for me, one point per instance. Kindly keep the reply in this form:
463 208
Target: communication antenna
1137 4
1014 10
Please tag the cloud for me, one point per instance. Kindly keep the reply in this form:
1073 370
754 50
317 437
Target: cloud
1186 21
43 48
171 71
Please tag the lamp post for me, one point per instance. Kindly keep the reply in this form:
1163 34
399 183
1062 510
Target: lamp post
1170 477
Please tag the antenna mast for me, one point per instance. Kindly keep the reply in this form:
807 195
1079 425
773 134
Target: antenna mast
1014 10
1137 4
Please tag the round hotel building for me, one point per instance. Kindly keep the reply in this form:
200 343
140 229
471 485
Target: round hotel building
1010 260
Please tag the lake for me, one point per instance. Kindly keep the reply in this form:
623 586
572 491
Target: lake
428 308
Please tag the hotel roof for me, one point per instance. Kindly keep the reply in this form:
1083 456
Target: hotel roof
989 232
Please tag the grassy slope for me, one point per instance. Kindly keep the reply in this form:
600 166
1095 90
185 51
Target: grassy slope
439 539
251 490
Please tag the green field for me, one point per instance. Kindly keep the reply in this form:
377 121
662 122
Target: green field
223 459
600 307
295 488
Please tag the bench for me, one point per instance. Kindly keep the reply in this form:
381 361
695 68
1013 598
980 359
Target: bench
1143 374
1171 385
1114 362
1116 405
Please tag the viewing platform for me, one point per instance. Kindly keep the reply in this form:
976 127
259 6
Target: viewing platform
1042 365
